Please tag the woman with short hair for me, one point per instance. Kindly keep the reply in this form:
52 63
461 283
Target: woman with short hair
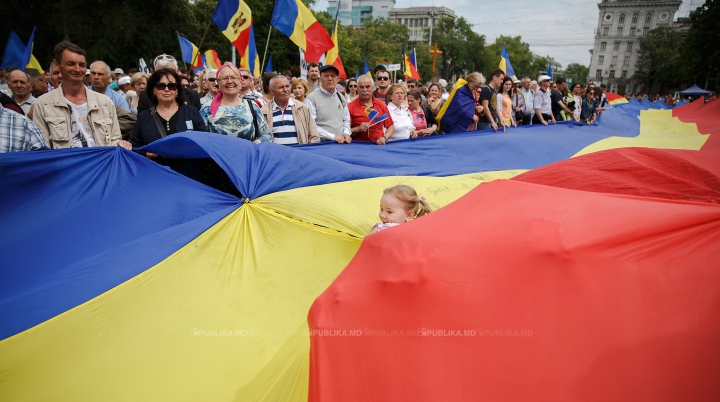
402 120
300 89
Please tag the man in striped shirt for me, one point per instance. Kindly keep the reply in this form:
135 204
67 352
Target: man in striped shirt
290 122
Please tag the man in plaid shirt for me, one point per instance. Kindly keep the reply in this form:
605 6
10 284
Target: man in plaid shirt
17 133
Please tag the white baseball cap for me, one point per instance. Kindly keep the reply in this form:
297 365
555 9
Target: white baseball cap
119 71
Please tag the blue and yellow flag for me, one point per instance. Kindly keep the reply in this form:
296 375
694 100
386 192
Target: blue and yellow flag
505 65
458 110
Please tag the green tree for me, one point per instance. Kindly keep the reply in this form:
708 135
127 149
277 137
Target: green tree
538 67
462 47
576 71
658 59
700 54
379 41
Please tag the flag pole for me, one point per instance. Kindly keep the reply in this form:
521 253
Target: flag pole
267 43
203 38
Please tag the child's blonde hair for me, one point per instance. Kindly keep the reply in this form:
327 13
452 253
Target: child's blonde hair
410 199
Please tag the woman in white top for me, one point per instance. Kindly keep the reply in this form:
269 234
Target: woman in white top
404 126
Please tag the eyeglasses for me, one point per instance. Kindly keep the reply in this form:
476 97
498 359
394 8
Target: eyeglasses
383 78
591 93
230 78
160 86
352 86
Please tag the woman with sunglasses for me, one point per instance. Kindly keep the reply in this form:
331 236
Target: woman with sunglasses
588 111
168 114
230 114
351 90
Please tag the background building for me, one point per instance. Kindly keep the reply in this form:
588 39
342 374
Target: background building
419 18
354 12
620 24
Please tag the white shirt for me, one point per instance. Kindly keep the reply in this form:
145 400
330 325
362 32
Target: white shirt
402 121
528 95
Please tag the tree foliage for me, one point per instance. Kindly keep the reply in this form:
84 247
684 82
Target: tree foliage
700 52
462 47
519 52
576 71
659 59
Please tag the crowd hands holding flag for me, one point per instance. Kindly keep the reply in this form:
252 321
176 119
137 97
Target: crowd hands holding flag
81 105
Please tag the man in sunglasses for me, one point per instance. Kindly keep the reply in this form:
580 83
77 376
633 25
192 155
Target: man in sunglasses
210 77
383 84
74 116
247 85
166 61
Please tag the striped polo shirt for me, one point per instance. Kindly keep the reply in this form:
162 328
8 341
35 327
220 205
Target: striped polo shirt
283 127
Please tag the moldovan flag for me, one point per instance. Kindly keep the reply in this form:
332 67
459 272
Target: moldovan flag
212 60
190 53
333 55
234 19
505 65
410 65
249 56
295 20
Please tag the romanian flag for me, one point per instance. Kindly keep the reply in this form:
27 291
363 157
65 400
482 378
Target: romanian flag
410 64
366 70
190 53
212 60
234 18
458 110
333 55
596 264
249 58
615 99
505 65
295 20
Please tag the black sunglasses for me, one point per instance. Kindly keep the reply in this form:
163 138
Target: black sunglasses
245 77
352 86
160 86
211 79
383 78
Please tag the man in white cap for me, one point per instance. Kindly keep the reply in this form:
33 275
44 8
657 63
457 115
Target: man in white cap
543 103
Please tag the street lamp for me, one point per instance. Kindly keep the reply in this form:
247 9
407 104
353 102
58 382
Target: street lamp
432 15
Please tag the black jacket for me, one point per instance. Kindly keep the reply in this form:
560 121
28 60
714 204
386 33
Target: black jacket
146 132
192 98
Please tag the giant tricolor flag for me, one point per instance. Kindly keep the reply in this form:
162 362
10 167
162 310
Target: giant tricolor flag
295 20
410 64
190 53
597 266
234 18
505 65
333 55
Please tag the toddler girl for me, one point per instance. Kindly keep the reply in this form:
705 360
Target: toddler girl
400 204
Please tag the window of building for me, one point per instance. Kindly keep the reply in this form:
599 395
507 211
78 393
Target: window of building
648 18
624 74
635 18
612 73
632 31
603 45
626 62
601 60
622 19
614 60
598 73
629 46
645 30
619 31
606 31
617 46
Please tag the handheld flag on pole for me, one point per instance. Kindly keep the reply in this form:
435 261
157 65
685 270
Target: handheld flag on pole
17 54
250 59
549 71
410 65
379 119
269 67
28 58
366 71
212 60
142 67
333 55
357 73
234 19
295 20
190 53
505 65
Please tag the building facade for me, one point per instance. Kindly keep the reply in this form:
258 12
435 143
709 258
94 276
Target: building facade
620 24
417 19
355 12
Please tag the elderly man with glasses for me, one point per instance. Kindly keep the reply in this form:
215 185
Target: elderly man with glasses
190 97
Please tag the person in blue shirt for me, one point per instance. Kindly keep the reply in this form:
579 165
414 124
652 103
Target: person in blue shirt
100 74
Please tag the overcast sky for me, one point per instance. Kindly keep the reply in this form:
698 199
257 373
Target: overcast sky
563 29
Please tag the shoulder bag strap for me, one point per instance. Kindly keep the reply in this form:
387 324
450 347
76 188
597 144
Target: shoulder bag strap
158 125
254 117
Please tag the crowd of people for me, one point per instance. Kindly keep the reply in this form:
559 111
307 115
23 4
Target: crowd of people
79 105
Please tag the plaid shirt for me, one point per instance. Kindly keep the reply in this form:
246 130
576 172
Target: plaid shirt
18 133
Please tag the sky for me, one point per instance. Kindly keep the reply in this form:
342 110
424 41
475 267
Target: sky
563 29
